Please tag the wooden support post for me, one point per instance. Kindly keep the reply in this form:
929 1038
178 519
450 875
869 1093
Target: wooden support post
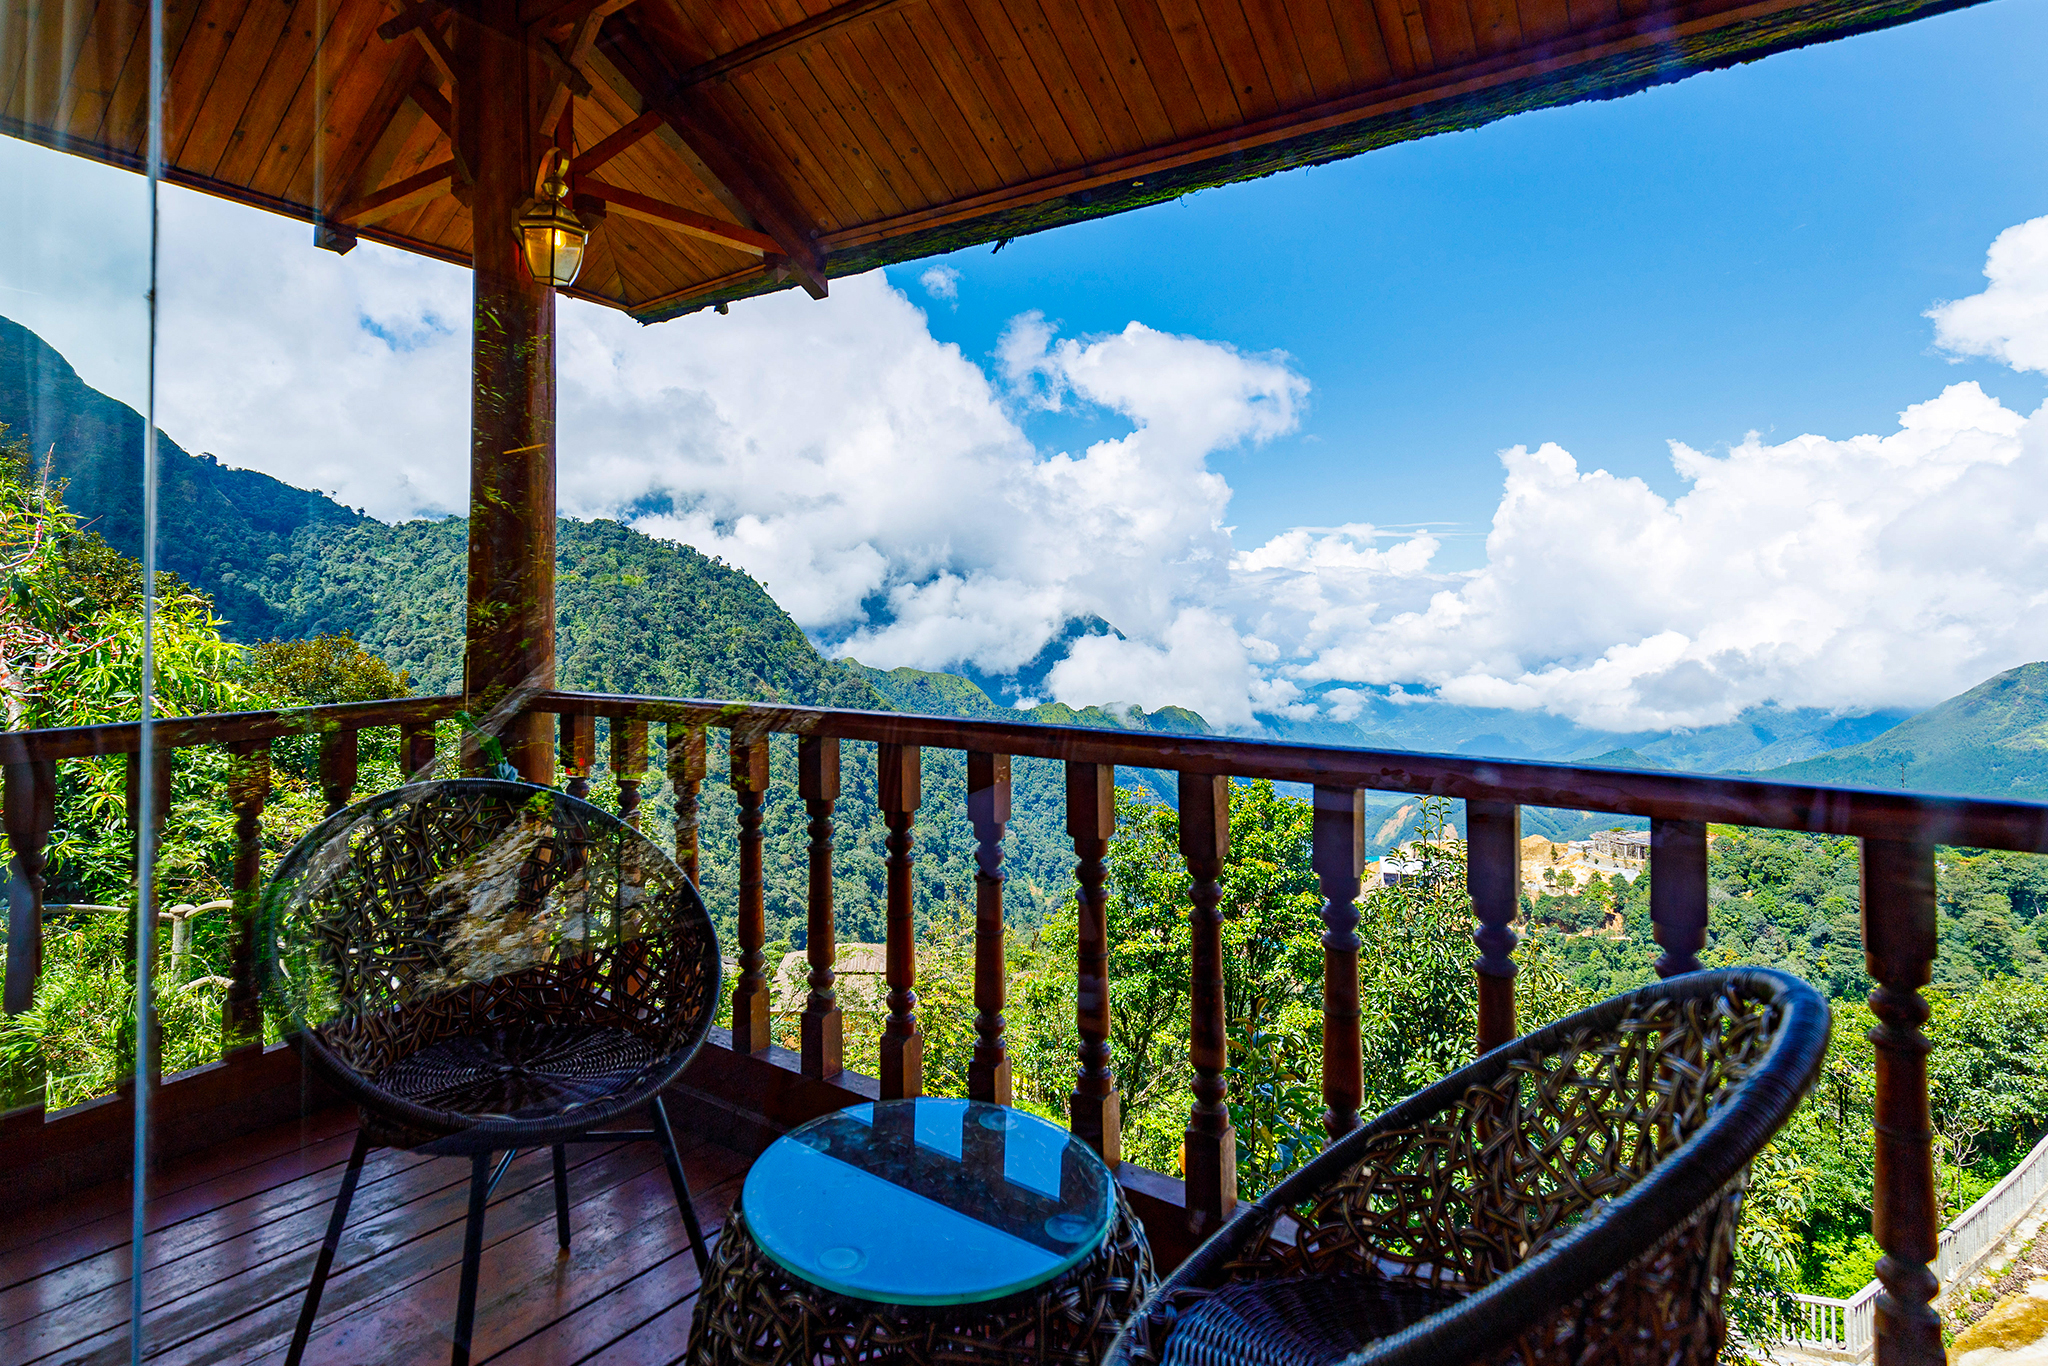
416 750
248 789
629 766
817 779
1493 876
577 738
510 651
1338 856
1678 893
1096 1109
685 775
1209 1148
750 994
900 789
31 812
1898 949
988 811
338 765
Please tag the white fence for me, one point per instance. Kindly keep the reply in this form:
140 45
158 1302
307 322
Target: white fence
1848 1326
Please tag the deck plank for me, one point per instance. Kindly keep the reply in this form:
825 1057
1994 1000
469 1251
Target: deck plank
234 1230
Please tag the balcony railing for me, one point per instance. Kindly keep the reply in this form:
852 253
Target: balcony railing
51 1152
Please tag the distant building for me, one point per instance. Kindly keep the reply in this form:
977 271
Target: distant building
1627 849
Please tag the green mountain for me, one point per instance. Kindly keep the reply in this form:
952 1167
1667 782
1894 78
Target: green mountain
1991 741
221 530
1620 758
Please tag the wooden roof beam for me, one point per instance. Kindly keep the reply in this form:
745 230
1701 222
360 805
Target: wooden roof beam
618 142
783 41
396 198
628 204
645 67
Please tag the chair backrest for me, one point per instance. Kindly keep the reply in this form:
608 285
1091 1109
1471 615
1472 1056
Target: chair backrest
441 908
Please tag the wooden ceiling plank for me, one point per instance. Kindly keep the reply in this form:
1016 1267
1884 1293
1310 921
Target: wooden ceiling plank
1131 71
396 198
262 122
668 216
757 110
1214 104
772 45
645 64
963 84
1246 66
1543 21
352 77
1409 59
53 60
1588 14
350 166
126 119
1302 56
187 81
97 73
1365 52
983 74
18 28
646 257
1450 31
609 146
666 146
1097 136
1495 27
1067 31
658 306
292 141
1044 116
840 71
894 56
205 142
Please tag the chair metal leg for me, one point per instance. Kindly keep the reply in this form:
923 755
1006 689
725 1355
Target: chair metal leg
472 1255
325 1261
667 1138
561 1198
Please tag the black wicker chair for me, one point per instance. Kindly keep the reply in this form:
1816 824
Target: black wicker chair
1570 1198
486 966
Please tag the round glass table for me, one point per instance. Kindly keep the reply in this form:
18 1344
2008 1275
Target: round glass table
918 1230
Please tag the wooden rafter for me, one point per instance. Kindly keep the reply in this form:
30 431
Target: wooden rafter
645 66
435 106
421 26
396 198
618 142
628 204
346 174
791 39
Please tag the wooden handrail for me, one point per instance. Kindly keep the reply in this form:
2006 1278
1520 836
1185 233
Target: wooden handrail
1900 832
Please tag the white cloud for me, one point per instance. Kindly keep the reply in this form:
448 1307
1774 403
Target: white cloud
941 282
2009 320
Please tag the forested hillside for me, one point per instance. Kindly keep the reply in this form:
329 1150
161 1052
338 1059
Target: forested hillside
1991 741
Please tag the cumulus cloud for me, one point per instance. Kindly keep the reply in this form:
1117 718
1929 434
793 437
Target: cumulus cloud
884 486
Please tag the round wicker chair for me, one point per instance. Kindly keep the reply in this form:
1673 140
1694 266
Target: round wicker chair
1570 1197
485 966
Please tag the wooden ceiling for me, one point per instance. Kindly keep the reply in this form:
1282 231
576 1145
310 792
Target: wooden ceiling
751 145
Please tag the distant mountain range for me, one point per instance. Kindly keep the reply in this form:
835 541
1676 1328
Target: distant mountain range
642 615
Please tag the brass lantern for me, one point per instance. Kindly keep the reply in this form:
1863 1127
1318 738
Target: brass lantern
552 235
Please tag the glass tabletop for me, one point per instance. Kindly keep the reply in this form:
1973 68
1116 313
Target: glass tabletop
927 1201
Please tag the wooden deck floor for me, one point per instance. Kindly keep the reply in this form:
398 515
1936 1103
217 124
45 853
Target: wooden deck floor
233 1232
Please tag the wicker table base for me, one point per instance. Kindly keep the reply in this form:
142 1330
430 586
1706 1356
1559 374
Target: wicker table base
753 1313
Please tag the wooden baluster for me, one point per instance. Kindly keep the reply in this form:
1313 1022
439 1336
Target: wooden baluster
416 750
145 897
1898 950
750 994
988 810
1493 876
685 774
1678 893
1209 1148
817 779
248 790
629 766
1096 1113
31 810
578 741
899 786
338 750
1338 857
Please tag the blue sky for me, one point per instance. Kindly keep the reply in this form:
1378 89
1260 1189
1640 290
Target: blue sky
1749 249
